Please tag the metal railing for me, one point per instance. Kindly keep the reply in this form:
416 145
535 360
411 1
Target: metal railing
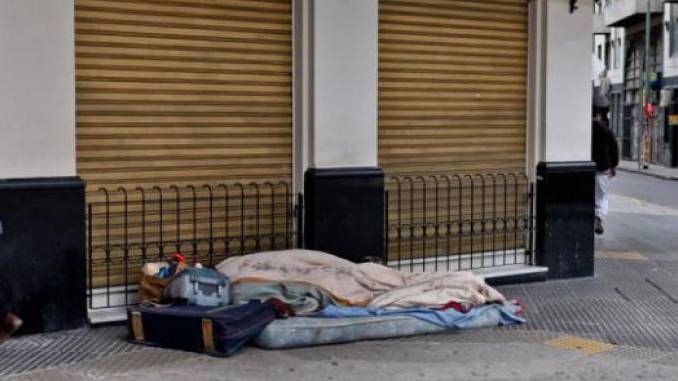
434 223
459 222
206 224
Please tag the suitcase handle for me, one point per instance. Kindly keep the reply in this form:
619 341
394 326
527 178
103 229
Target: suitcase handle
196 286
209 281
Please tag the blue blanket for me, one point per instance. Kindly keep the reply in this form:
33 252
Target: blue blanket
482 316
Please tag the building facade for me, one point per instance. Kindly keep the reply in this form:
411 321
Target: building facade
619 54
136 129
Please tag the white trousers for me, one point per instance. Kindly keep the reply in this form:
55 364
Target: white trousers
602 188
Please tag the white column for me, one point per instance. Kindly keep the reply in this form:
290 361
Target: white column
339 85
37 89
560 81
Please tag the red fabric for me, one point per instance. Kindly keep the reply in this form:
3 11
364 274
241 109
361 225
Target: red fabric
522 306
463 308
649 110
282 310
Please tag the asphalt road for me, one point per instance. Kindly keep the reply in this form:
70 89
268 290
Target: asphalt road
643 217
646 188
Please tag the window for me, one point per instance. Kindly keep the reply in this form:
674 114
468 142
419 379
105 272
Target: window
618 54
673 30
600 52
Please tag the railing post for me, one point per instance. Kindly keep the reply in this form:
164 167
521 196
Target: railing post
386 227
211 223
530 229
299 211
90 256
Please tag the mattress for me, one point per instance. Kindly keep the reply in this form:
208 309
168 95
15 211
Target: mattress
304 331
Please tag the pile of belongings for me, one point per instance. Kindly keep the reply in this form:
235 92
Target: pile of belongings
293 298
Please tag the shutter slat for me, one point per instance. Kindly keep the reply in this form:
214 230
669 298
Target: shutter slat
185 93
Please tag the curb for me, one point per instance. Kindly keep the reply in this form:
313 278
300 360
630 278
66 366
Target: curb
641 172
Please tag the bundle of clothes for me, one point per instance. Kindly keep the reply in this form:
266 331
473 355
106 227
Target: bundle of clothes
304 284
309 282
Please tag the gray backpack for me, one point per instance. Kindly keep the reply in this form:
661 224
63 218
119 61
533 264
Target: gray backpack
199 287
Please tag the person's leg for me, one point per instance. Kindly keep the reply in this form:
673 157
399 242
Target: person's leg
601 200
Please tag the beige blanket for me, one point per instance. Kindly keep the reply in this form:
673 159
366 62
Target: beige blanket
360 284
437 289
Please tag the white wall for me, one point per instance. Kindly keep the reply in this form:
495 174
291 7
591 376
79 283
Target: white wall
536 84
37 88
670 63
567 96
343 85
301 92
598 63
616 75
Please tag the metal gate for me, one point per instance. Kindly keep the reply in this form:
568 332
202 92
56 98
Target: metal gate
459 221
206 224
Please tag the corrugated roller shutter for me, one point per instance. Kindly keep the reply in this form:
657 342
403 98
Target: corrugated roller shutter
452 85
183 91
186 93
452 100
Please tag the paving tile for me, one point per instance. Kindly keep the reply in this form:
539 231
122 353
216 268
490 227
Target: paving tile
580 344
621 255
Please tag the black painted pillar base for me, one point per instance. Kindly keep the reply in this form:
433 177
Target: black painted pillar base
565 217
42 252
345 212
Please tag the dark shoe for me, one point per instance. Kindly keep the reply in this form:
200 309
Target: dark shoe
8 325
599 226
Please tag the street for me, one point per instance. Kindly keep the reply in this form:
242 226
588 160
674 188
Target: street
621 324
643 217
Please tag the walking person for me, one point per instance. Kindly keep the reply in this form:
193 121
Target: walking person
605 153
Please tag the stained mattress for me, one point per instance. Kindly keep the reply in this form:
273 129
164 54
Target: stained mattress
310 331
335 325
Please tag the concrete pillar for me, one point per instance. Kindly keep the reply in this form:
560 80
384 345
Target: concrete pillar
344 188
559 141
42 242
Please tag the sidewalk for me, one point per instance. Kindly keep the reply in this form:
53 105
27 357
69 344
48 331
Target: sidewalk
621 324
658 171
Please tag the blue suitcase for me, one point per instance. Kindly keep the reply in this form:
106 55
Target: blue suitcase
217 331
